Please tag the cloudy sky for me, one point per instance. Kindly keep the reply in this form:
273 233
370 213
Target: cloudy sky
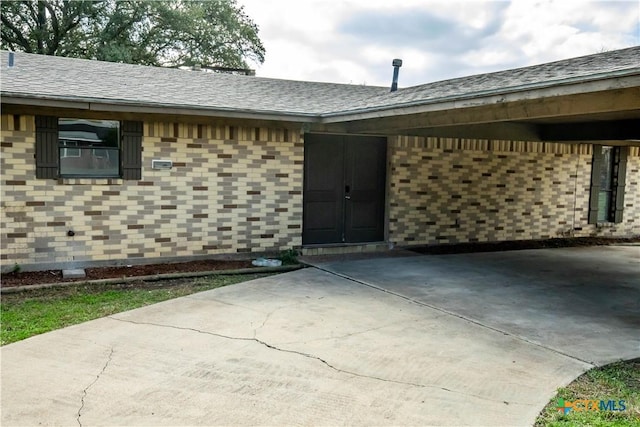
354 41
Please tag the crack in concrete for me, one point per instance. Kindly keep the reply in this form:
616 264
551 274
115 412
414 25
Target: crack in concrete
319 359
271 313
336 337
196 297
84 392
459 316
264 322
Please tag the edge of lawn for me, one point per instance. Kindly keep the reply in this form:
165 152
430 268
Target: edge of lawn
616 381
154 277
38 309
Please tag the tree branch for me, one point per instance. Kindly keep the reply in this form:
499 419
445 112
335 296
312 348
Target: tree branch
41 24
20 40
55 41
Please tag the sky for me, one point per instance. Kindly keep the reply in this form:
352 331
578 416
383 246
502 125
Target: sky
354 41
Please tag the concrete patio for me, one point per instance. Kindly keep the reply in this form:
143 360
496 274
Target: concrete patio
474 339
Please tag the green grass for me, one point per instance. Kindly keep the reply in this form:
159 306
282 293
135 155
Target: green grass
30 313
618 381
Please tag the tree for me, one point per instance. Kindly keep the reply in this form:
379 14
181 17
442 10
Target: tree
168 33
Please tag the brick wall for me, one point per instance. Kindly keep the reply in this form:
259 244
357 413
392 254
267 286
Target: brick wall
455 190
239 189
232 190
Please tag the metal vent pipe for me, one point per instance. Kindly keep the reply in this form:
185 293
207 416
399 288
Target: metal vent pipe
397 63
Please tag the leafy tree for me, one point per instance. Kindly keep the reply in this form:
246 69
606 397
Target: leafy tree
168 33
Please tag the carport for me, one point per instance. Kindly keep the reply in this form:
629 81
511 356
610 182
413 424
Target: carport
513 155
583 100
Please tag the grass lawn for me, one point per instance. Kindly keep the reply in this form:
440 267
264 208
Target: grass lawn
618 381
29 313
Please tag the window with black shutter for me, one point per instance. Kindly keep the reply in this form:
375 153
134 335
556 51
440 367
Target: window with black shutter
131 149
608 172
88 148
46 147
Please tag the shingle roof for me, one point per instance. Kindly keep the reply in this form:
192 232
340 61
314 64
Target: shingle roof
581 69
50 77
83 80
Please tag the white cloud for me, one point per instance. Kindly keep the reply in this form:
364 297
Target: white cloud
354 41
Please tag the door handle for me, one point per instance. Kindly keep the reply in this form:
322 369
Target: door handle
347 197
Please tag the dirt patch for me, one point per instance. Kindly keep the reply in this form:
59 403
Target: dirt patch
55 276
463 248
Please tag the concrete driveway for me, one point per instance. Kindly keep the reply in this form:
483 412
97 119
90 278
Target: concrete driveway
477 339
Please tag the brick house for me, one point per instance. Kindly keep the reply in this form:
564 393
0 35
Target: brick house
105 163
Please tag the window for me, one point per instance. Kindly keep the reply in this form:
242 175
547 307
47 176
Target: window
67 151
88 148
607 184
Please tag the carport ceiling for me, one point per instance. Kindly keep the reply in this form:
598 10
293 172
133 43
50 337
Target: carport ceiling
609 112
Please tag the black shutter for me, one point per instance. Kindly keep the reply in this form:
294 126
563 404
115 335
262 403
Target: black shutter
47 155
620 183
131 150
596 165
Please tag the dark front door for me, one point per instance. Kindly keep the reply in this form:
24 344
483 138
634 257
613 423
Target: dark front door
344 189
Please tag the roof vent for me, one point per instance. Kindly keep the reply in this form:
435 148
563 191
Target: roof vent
397 63
11 59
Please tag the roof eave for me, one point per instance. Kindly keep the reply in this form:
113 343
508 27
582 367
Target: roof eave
142 108
612 81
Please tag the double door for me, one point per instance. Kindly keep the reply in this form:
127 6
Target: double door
344 189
